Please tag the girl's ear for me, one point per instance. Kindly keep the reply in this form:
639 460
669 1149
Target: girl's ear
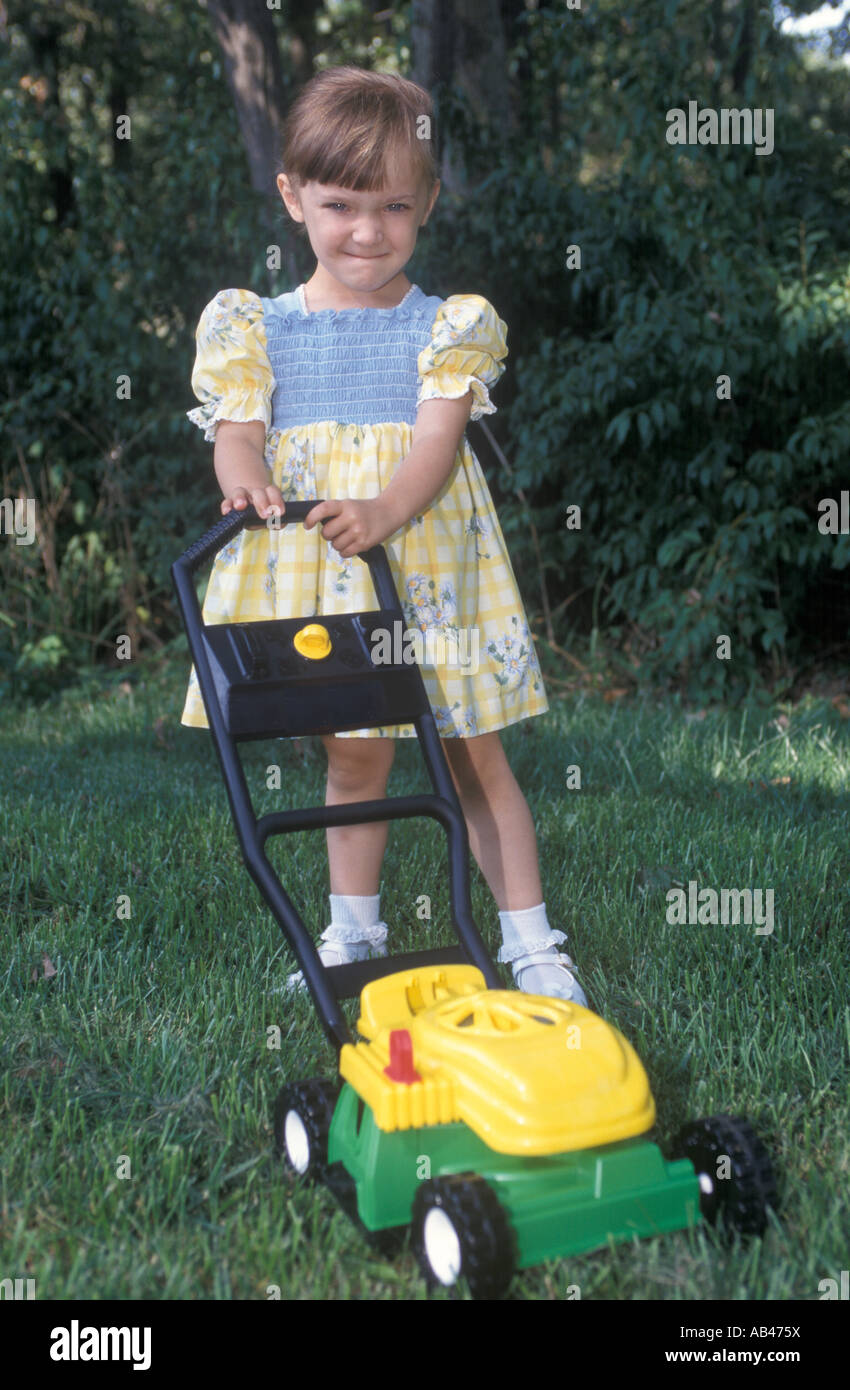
290 197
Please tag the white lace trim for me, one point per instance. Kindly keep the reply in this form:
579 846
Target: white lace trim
509 954
481 403
200 416
373 936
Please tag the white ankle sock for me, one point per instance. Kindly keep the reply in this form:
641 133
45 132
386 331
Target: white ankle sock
355 919
355 912
525 931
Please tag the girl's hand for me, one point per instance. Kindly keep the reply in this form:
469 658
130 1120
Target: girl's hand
353 526
268 501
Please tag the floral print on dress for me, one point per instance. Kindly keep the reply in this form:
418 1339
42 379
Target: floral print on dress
466 723
232 377
457 360
426 607
443 717
271 568
516 654
298 471
229 316
432 609
459 321
470 723
273 438
475 526
229 554
342 578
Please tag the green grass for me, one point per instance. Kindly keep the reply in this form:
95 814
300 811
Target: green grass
151 1041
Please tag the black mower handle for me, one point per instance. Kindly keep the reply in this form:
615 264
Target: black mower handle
235 521
443 805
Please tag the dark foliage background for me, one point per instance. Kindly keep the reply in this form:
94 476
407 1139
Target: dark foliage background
699 515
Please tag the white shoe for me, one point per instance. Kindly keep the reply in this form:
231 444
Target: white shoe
335 948
548 972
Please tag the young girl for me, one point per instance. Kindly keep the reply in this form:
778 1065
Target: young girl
356 388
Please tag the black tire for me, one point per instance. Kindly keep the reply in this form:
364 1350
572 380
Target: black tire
743 1197
483 1234
302 1120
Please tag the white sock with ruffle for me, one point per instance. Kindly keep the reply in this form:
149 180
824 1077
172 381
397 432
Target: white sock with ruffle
356 931
526 931
529 947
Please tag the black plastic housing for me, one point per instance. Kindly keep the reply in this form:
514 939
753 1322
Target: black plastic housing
267 688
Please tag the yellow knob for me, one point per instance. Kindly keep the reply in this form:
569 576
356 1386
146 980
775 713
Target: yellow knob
313 641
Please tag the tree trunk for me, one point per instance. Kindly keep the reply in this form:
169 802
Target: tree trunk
301 38
246 32
460 45
480 69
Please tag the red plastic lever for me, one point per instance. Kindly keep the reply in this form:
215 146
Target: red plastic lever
401 1066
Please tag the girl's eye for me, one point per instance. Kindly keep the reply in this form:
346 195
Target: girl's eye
404 206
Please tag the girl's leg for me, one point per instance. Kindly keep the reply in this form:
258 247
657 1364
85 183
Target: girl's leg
502 838
358 769
501 830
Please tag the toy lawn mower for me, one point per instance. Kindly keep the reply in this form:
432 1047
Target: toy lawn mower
504 1128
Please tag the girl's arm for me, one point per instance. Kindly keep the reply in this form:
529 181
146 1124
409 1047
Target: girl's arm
436 438
241 470
353 526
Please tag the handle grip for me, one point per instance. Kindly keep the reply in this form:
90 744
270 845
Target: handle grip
230 526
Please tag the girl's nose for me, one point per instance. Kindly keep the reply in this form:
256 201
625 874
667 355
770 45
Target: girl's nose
366 234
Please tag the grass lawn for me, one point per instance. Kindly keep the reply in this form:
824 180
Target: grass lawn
137 1081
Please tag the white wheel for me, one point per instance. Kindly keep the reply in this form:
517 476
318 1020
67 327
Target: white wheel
461 1231
303 1112
297 1142
442 1246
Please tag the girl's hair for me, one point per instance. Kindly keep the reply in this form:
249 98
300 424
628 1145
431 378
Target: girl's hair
348 123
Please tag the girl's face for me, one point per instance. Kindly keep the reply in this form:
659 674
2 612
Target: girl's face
362 241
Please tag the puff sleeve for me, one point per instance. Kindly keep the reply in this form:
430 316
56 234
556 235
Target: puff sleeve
232 376
466 352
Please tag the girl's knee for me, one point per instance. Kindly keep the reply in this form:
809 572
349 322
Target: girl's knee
481 751
355 761
475 761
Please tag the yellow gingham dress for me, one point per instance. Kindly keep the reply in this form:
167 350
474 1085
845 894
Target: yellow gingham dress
338 391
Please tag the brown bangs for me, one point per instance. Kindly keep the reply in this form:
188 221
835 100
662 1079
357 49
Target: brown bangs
348 126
